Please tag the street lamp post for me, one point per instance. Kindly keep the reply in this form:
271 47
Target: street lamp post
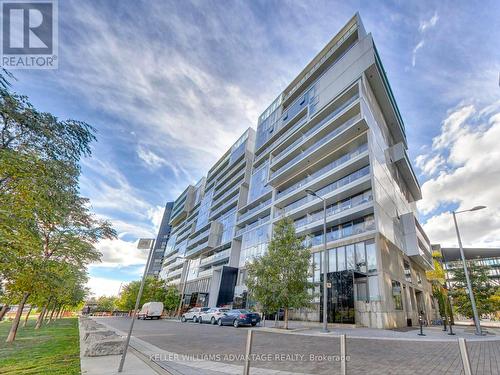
467 278
143 244
325 262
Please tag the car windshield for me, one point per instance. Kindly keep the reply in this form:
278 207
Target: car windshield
223 310
245 311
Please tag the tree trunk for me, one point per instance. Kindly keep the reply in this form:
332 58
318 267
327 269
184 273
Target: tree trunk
286 317
52 314
25 323
15 323
3 311
42 314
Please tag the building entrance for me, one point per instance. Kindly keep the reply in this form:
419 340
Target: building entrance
340 297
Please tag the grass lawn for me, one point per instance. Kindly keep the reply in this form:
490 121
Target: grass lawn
53 349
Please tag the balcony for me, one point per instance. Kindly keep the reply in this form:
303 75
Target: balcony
399 157
361 204
215 258
418 246
340 232
255 224
206 240
338 184
205 273
276 158
330 166
250 212
339 136
228 194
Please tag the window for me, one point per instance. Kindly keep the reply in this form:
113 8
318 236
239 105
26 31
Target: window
341 259
407 271
360 257
316 267
396 295
351 263
419 278
332 260
371 256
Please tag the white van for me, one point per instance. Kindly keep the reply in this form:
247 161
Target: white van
151 310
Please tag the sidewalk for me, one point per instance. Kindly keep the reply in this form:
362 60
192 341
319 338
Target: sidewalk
108 365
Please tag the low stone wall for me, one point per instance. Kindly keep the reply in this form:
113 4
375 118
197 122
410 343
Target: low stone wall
97 340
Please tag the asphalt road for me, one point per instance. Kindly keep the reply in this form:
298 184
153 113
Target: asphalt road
313 354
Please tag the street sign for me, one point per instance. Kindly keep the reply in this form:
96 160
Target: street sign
144 243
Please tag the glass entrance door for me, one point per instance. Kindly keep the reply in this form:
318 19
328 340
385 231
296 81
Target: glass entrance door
340 297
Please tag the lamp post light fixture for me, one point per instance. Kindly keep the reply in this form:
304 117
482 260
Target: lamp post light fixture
325 262
467 278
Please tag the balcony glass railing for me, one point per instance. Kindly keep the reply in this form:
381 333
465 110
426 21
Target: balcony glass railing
200 236
206 273
327 189
334 164
338 232
317 145
214 258
315 127
253 225
335 208
224 196
250 212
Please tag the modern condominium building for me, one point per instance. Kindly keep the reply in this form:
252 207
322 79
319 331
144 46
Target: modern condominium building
336 129
155 264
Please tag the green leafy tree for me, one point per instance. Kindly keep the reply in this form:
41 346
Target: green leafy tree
437 278
106 304
483 290
279 279
154 290
172 299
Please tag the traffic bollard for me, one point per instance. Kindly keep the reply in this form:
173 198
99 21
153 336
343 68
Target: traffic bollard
421 323
444 324
248 350
343 366
465 356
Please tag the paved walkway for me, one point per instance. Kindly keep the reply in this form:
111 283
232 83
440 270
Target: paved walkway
205 349
108 365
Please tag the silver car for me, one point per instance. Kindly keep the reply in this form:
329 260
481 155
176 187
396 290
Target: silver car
193 314
212 315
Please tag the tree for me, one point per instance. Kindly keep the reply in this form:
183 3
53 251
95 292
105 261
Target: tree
106 304
437 277
481 286
279 279
46 227
154 290
172 299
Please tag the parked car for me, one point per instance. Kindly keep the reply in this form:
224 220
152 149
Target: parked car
151 310
193 314
211 315
239 317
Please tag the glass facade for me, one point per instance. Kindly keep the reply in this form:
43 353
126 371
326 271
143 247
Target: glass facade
254 244
258 182
227 220
204 212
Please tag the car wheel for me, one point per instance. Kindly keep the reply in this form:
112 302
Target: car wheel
200 320
195 319
183 319
236 324
254 324
212 320
219 322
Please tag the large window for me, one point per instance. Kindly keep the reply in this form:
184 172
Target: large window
258 182
227 220
204 211
396 295
371 256
254 243
407 270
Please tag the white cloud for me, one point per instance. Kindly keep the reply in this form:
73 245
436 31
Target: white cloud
423 27
120 253
468 155
414 52
430 23
100 286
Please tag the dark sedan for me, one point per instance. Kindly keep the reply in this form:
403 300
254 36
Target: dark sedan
238 318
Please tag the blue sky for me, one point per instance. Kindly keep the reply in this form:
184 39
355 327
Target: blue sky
170 85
